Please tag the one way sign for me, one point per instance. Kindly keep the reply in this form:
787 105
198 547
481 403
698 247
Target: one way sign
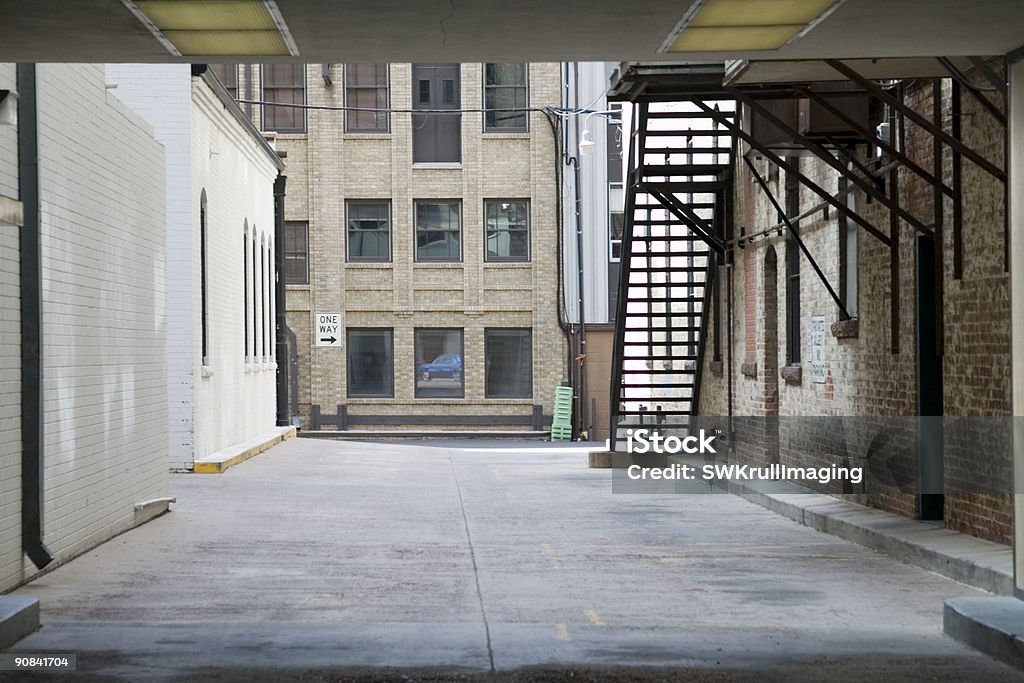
328 329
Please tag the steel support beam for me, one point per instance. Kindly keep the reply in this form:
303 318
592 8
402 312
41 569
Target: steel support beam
974 90
794 235
684 214
917 118
868 187
840 206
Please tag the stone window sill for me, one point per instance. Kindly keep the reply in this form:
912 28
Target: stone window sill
749 369
717 367
793 374
846 329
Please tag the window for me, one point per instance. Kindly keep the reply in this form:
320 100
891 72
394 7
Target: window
228 76
793 268
437 131
204 299
616 220
371 363
504 92
439 364
263 297
508 230
369 231
296 253
284 83
848 256
366 87
508 363
246 286
438 231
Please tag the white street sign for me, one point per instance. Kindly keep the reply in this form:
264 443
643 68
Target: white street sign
328 329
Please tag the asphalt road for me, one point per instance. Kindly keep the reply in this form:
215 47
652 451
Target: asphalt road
333 561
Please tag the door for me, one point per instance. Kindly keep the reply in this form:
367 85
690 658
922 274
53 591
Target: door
437 135
929 385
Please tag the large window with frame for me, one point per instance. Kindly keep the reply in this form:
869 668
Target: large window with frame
371 363
285 84
438 230
366 98
508 363
793 267
369 230
508 230
439 363
296 253
505 98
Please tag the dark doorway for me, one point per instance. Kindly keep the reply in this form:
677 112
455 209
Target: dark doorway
770 361
436 136
929 384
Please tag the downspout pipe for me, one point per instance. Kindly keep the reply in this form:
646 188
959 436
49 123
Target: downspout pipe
281 315
31 290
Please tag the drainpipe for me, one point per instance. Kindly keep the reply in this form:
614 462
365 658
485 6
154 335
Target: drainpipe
31 289
281 322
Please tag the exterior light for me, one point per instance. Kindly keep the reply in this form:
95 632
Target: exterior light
216 27
730 25
586 143
8 108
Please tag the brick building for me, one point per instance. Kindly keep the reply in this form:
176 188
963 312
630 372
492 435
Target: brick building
421 254
926 327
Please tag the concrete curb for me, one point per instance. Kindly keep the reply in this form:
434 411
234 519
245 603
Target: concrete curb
217 463
994 626
19 616
422 434
969 560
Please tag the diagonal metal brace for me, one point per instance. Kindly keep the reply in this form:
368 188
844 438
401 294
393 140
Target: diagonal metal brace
917 118
796 236
867 186
737 130
684 214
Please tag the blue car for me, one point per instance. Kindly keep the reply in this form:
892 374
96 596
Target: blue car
445 365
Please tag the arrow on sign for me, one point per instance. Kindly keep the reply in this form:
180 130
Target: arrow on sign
329 340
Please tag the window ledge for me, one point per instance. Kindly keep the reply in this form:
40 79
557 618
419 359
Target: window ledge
206 371
369 265
510 265
846 329
366 136
749 369
793 374
717 367
441 265
437 165
297 287
516 135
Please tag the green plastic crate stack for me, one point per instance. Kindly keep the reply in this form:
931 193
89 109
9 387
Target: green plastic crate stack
561 422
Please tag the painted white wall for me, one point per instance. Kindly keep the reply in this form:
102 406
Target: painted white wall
593 83
232 399
160 93
101 179
235 398
10 359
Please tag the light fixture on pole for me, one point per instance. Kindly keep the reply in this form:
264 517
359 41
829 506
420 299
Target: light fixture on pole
586 143
8 108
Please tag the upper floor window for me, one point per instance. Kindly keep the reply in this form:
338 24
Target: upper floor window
505 98
508 230
286 84
438 231
296 253
436 120
369 231
366 90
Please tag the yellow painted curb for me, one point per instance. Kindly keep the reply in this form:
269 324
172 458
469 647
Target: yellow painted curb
219 466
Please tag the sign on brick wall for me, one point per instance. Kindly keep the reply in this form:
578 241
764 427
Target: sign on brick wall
328 329
819 367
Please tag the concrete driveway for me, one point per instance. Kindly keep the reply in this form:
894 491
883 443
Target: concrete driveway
334 561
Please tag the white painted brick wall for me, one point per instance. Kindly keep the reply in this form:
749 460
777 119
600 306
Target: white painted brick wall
159 93
102 194
236 402
10 360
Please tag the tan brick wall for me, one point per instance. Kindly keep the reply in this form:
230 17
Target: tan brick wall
327 166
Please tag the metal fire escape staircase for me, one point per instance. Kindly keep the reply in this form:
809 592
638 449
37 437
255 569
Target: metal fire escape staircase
677 214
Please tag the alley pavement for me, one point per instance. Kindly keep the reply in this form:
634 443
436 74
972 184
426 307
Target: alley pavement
333 561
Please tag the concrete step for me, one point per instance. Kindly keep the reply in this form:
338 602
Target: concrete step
19 616
994 626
